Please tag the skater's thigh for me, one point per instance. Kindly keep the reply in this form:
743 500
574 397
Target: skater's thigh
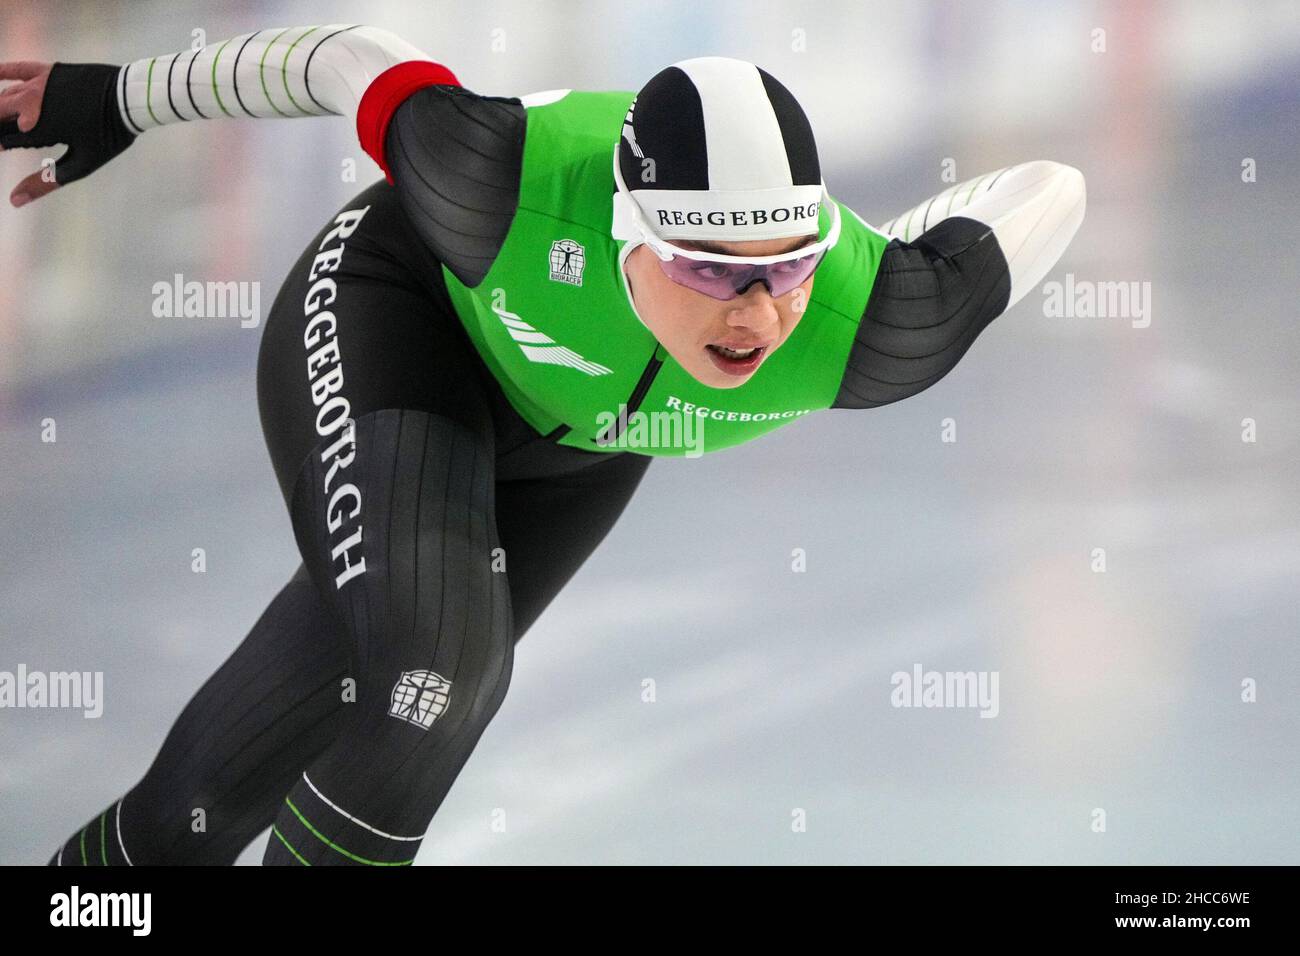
550 526
366 379
361 324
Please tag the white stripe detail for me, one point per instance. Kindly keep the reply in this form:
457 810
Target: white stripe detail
120 92
119 832
537 338
550 354
357 821
741 132
562 355
60 860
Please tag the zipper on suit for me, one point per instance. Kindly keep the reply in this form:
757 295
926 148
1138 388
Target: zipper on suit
616 427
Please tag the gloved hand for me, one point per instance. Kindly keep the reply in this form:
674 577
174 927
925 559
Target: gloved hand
70 103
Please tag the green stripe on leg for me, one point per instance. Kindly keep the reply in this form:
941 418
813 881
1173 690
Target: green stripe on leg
276 831
334 846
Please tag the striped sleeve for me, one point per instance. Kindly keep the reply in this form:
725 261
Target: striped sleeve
276 72
955 263
1033 209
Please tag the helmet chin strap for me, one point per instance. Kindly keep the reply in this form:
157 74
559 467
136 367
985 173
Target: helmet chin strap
628 248
622 226
623 229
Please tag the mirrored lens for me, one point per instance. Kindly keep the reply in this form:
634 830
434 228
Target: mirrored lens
726 280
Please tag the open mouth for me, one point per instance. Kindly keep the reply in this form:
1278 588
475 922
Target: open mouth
736 361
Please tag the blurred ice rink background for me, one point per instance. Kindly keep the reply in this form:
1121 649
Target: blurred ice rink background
1118 690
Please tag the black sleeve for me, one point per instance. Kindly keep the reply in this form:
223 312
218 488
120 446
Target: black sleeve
456 158
931 297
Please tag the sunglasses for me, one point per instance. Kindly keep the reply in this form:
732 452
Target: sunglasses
726 277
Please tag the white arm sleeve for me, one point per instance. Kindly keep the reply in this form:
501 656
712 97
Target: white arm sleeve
281 71
1034 210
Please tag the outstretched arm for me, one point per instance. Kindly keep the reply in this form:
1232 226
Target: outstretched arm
278 72
97 110
1033 209
956 262
454 156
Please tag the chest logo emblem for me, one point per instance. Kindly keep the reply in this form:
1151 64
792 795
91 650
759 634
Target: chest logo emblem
567 261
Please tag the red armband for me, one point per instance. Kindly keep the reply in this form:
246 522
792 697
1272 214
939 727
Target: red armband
385 93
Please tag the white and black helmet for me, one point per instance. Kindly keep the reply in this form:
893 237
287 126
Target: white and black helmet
714 148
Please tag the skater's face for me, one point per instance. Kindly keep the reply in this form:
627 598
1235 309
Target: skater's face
703 333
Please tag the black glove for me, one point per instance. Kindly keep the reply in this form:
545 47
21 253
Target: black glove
79 108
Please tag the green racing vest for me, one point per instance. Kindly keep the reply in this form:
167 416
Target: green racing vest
553 323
